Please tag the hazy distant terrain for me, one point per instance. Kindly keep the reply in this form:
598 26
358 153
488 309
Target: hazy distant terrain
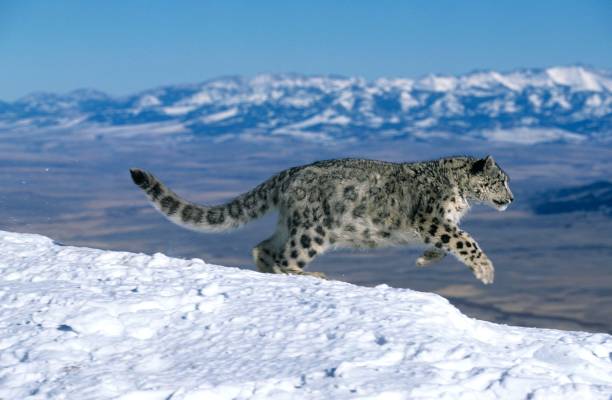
596 196
64 162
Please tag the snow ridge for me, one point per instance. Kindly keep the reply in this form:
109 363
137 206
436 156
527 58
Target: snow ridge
86 323
574 100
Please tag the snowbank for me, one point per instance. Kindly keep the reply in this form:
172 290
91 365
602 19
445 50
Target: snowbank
80 323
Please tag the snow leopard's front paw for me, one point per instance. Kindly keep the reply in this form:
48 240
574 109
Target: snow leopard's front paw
483 270
423 262
429 257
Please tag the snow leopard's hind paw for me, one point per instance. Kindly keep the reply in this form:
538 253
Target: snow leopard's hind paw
319 275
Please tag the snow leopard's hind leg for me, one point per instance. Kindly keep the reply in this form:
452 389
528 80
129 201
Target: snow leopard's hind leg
285 254
430 256
267 254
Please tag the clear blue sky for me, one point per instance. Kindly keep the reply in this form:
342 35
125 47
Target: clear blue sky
125 46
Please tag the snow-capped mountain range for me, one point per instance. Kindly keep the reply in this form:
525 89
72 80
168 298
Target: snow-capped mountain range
528 105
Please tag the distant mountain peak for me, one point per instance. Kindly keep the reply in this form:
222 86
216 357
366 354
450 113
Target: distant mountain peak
566 102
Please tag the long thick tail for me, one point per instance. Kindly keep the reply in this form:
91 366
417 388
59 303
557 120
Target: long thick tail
234 214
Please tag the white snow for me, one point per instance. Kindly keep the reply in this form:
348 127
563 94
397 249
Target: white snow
148 101
220 116
437 83
494 107
535 100
407 101
559 99
189 104
578 78
575 77
78 323
125 131
327 116
179 110
200 98
300 100
594 101
531 135
347 100
447 105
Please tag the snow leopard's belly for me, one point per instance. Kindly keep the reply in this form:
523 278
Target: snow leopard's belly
370 236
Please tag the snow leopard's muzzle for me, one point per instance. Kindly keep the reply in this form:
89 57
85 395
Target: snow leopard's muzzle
502 202
502 205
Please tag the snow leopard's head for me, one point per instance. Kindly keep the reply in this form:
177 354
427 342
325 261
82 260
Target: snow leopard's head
489 184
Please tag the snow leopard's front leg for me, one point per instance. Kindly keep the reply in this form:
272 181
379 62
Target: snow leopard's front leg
444 235
430 256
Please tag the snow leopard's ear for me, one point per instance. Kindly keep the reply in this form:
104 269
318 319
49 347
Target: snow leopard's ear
482 165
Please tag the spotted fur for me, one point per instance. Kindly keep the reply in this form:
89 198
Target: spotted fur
354 203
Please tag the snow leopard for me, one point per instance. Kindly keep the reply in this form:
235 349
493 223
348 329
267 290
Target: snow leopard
355 203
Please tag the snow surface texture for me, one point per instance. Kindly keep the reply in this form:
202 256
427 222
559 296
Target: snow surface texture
573 103
80 323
